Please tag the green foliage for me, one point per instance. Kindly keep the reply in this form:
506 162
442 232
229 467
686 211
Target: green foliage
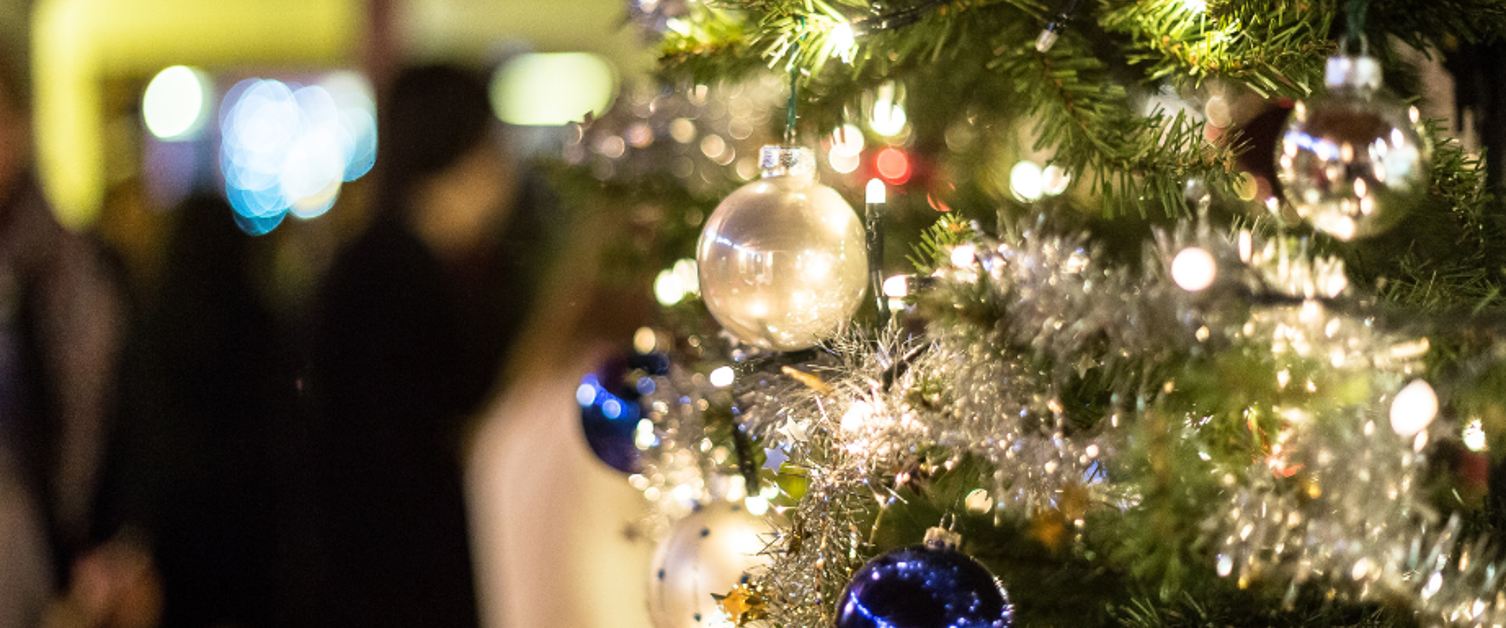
973 65
1275 48
935 244
1450 251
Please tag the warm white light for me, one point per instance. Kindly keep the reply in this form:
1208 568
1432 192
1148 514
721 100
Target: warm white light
875 193
888 117
843 41
757 506
1194 269
174 103
1054 180
857 416
668 289
964 255
847 140
722 376
1415 407
979 501
843 163
645 340
1026 182
1474 436
643 436
897 287
552 89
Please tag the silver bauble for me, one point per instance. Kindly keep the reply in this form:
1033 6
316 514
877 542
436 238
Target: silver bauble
1351 159
782 261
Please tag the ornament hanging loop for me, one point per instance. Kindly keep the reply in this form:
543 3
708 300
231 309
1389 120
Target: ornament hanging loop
938 538
790 117
1364 44
1355 25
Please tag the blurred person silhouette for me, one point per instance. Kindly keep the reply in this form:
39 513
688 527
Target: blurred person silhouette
411 329
200 464
61 315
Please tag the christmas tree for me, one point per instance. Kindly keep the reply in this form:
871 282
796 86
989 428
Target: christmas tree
1190 316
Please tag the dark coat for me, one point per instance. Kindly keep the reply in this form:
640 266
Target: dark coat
405 351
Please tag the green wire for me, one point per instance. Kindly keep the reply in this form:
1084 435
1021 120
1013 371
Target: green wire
1356 22
790 109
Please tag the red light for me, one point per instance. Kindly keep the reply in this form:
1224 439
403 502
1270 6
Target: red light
893 165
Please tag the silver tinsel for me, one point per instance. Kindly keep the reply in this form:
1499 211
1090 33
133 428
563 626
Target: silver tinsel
1333 501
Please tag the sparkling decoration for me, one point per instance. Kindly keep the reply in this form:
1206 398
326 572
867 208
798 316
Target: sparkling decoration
609 407
743 604
1350 158
924 586
706 137
1016 324
782 261
709 551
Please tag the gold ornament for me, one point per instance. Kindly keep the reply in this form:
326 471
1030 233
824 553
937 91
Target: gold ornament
744 603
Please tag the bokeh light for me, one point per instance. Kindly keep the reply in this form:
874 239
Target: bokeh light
888 115
289 148
1027 181
552 89
1414 408
892 165
1193 269
174 103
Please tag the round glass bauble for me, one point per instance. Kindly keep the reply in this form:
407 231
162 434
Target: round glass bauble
924 587
782 260
609 405
707 552
1351 160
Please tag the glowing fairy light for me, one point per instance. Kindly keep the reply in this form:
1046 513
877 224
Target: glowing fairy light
1194 269
1474 436
1414 408
897 287
847 140
722 376
888 116
645 340
668 289
875 193
843 41
1026 181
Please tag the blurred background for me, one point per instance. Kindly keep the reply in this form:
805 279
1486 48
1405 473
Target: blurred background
213 158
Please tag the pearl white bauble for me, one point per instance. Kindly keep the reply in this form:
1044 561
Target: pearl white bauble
782 260
708 551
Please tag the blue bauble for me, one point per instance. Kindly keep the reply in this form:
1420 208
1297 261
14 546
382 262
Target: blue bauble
924 587
609 410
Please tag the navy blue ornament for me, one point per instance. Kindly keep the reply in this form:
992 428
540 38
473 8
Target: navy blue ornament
609 410
925 586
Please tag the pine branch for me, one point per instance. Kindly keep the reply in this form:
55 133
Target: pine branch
1275 48
1132 160
1450 251
1443 21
